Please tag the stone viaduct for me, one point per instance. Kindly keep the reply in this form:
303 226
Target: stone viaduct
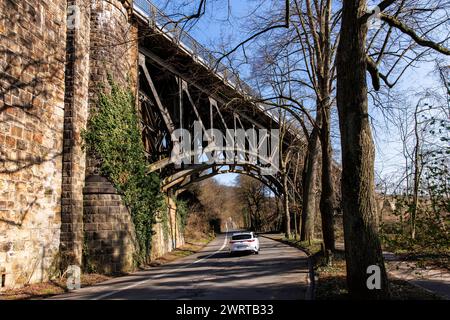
54 56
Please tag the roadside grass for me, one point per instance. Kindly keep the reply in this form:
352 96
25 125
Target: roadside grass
424 260
310 248
58 285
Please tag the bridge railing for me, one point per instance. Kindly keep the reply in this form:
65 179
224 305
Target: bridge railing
169 27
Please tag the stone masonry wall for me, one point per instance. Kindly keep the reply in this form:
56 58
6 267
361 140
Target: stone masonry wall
75 117
55 209
109 232
113 49
167 236
108 229
32 59
113 53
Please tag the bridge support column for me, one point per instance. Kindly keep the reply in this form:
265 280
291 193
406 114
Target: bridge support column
109 242
75 117
108 229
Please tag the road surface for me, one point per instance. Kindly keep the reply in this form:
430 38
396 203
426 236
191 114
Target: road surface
277 272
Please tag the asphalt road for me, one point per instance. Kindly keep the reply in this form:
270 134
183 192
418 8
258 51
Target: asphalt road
277 272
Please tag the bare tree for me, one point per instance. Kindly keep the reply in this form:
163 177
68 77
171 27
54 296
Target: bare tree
254 194
304 59
361 240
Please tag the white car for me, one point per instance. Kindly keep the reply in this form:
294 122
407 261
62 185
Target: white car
244 242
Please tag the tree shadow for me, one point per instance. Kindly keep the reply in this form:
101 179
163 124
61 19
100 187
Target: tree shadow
28 78
226 255
24 91
22 216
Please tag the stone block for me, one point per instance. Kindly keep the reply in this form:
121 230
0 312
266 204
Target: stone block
105 226
114 210
90 227
102 210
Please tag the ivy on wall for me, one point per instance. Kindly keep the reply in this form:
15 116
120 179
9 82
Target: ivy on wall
163 219
113 136
182 213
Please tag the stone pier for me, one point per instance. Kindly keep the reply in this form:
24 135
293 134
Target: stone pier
55 208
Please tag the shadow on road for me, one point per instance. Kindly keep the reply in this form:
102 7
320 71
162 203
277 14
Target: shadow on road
226 254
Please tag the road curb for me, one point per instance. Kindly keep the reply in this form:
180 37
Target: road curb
311 291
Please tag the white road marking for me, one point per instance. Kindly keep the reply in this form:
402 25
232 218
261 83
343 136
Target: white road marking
221 248
163 275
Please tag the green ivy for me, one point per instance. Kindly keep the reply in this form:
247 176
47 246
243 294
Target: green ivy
114 137
182 214
163 218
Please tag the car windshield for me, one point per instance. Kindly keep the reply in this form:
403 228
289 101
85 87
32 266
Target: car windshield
241 237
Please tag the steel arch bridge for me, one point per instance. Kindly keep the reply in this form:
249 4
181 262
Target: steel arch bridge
181 85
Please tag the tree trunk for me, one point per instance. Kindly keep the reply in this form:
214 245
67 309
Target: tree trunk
416 175
251 215
280 219
309 188
327 200
295 203
362 245
295 219
287 217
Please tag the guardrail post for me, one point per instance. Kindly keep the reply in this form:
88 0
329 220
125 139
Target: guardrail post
152 15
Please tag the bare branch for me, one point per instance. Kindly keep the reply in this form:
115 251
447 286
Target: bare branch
393 22
376 75
383 5
257 34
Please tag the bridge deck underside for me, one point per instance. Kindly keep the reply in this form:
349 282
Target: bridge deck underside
176 90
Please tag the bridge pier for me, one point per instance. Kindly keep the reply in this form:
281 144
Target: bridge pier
167 232
103 45
109 237
75 119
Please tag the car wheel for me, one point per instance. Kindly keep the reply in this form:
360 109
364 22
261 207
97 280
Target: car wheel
257 252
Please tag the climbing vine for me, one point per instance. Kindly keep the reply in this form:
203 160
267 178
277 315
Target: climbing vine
182 213
163 218
113 136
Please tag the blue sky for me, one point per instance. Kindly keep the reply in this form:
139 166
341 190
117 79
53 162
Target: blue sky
221 21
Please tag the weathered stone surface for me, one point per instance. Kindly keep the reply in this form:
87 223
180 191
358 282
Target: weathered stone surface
106 234
75 118
32 46
166 237
52 200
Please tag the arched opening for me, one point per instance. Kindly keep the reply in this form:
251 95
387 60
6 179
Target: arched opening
247 201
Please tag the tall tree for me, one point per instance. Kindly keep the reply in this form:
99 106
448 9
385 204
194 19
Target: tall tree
314 24
362 246
301 60
361 240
